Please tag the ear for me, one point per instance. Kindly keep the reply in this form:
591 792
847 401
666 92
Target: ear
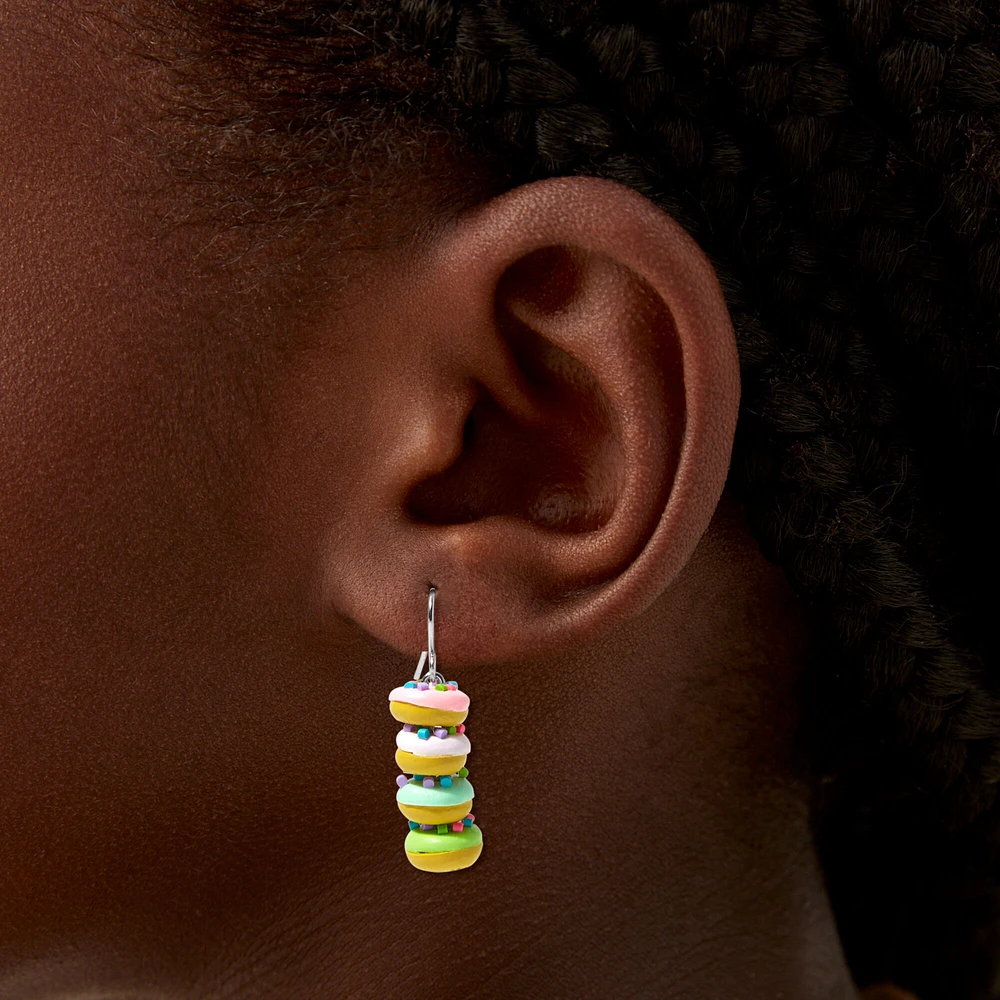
554 402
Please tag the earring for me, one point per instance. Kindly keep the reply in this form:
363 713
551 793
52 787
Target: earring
435 794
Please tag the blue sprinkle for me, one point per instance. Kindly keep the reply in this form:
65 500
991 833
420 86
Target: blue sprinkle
410 684
424 734
418 777
414 824
446 782
467 821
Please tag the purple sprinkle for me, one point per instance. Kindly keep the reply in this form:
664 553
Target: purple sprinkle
422 686
441 732
426 826
428 782
402 780
407 728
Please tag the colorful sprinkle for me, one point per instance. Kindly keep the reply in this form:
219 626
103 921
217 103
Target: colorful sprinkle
408 727
442 827
446 781
413 824
467 821
428 782
423 686
457 827
460 728
440 687
418 777
402 780
453 685
426 826
440 732
410 684
470 818
452 730
424 734
464 773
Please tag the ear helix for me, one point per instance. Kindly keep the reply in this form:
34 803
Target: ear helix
434 794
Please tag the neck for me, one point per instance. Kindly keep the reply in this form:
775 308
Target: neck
645 835
710 889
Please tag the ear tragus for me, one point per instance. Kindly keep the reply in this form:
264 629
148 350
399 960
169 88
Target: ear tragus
563 470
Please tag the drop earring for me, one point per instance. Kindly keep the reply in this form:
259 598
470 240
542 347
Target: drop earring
434 794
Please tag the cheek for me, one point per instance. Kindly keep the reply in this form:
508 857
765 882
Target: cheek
168 473
147 604
167 688
114 394
124 444
126 426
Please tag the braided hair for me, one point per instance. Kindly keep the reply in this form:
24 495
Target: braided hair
839 164
838 161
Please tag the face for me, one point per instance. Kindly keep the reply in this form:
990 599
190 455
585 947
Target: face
192 411
149 675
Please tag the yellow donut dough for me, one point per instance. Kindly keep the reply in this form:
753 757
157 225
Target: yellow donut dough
421 715
412 764
445 861
436 814
447 851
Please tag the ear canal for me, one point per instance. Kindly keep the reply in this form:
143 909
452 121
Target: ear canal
506 469
567 469
563 470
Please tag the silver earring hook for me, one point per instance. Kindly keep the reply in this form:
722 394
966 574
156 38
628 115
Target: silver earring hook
429 655
431 651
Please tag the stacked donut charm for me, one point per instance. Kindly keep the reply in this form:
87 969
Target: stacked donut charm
434 793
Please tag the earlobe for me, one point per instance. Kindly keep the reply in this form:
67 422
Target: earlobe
570 439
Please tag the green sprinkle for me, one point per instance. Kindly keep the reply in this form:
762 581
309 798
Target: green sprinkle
440 687
442 827
452 730
463 773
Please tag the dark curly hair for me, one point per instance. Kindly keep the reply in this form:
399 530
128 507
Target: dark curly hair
839 163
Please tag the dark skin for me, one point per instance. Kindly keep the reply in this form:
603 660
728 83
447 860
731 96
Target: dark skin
225 489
